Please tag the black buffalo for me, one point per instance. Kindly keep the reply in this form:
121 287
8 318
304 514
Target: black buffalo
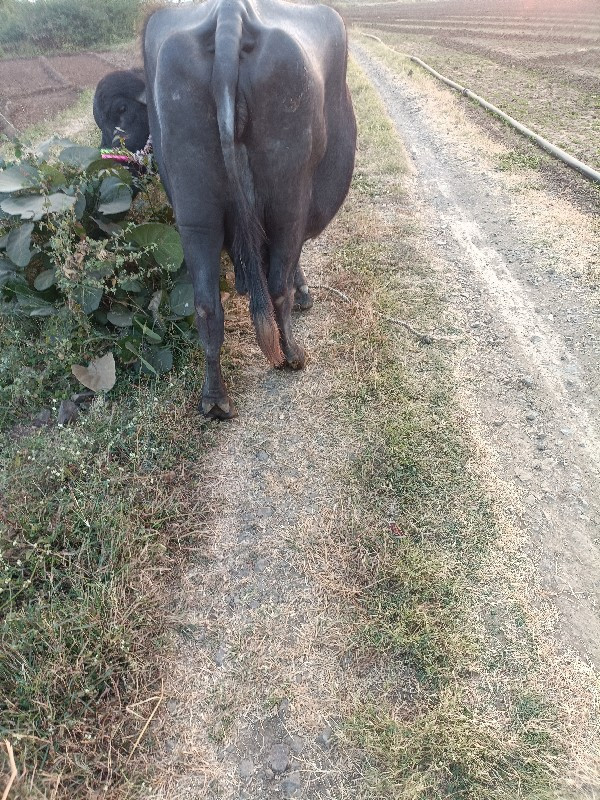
254 137
120 109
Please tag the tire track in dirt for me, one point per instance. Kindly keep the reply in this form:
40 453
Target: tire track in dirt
529 376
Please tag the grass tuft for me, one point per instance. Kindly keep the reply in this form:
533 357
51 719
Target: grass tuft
93 518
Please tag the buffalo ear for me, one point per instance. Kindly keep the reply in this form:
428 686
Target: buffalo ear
141 98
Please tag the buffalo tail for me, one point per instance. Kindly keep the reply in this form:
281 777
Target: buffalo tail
249 238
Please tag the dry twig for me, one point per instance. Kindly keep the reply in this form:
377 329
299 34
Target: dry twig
425 338
148 721
13 769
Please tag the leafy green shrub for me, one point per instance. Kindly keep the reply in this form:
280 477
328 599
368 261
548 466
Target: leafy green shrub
90 262
50 25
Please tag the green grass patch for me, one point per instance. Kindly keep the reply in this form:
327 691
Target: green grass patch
92 520
516 160
449 751
95 518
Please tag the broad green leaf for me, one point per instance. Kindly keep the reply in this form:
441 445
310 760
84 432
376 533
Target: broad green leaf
18 282
45 280
149 334
35 206
161 359
18 245
43 311
122 319
7 270
88 297
43 150
53 176
106 226
131 286
115 196
146 366
31 302
103 165
101 272
134 347
80 205
59 202
19 176
79 156
128 348
167 251
182 300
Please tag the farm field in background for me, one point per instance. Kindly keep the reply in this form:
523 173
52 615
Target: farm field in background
538 60
35 89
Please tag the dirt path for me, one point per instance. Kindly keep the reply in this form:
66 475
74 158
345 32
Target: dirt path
259 685
512 261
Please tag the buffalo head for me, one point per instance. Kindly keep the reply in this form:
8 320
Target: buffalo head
120 109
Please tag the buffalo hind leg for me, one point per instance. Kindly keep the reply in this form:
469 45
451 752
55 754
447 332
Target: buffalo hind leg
282 272
302 296
203 256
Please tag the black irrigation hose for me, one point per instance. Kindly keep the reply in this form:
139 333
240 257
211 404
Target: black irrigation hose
555 151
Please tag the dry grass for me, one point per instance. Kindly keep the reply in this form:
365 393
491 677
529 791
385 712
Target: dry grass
93 519
498 710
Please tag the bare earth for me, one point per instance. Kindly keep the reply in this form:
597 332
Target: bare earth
259 681
537 60
36 89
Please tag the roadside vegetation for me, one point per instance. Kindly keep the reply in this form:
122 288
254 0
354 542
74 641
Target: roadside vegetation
471 701
65 25
93 515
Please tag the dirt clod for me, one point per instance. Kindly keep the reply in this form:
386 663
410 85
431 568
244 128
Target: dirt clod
278 758
67 412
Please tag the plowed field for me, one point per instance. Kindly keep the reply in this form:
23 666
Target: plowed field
538 60
35 89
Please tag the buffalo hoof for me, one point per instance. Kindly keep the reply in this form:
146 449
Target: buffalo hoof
295 359
302 299
222 409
